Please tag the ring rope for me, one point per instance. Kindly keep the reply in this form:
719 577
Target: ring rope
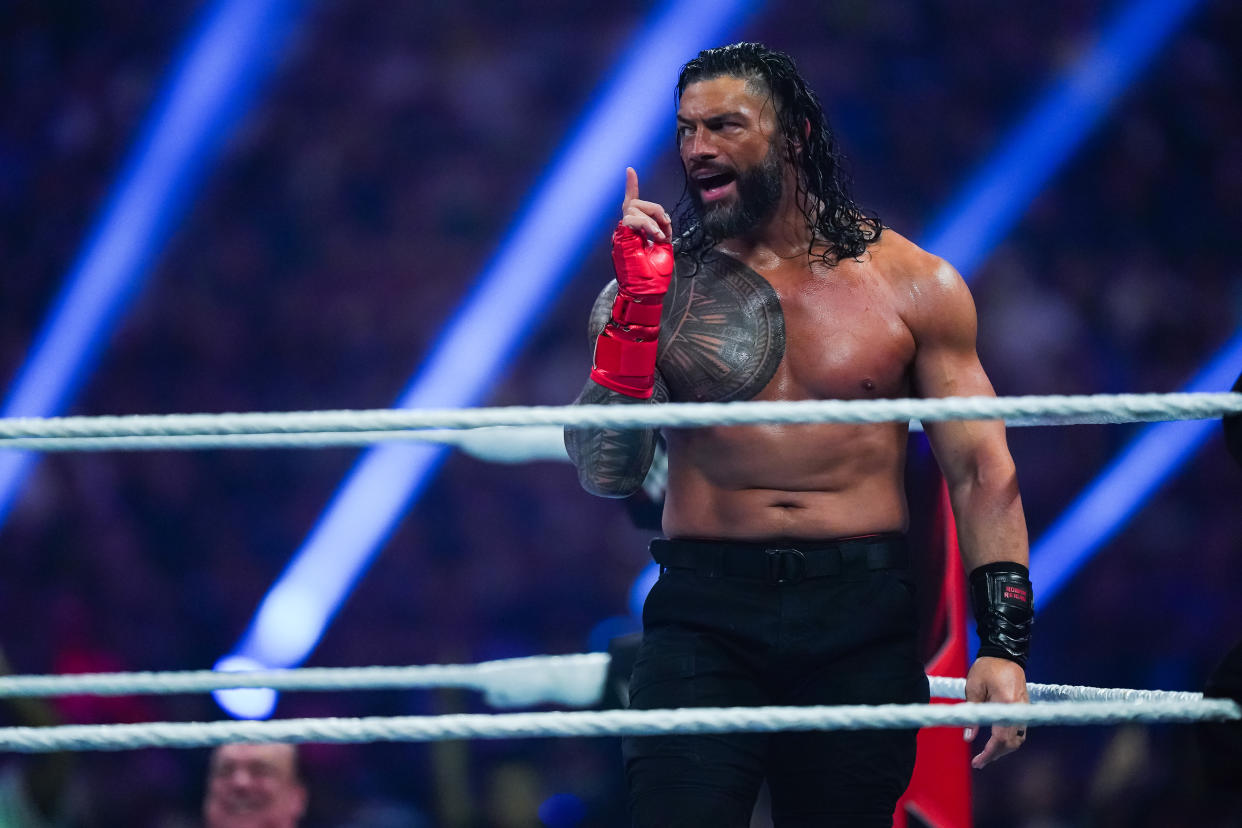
260 440
20 432
354 439
944 687
570 679
604 723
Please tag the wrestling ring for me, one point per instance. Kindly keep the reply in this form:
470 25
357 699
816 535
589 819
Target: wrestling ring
573 680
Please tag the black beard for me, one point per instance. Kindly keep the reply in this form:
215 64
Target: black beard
759 191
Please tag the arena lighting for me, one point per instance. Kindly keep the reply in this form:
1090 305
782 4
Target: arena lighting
993 201
214 79
630 117
1109 502
248 702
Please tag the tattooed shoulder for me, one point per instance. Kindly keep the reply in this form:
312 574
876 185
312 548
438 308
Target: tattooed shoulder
723 333
601 311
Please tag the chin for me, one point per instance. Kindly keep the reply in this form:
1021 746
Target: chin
723 224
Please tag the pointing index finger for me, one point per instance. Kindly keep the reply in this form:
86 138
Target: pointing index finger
631 187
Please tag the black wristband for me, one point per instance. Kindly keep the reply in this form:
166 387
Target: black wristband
1004 610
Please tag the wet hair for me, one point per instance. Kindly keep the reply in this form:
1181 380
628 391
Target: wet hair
823 183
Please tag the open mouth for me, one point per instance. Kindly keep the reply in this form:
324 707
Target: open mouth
714 185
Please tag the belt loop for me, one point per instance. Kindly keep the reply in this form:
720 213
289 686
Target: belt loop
709 563
834 564
877 557
887 554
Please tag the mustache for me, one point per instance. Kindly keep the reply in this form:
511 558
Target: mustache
701 170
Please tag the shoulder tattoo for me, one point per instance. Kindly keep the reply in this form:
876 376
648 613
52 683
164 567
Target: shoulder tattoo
723 333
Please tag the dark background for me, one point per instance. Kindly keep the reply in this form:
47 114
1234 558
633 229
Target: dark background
366 190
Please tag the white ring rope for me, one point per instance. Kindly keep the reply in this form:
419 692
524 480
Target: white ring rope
47 434
576 680
943 687
604 723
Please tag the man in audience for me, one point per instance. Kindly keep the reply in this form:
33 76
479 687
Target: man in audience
254 786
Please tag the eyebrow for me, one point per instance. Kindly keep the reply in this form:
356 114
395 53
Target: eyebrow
717 117
229 764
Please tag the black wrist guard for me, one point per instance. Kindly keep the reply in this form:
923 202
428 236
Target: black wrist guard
1004 610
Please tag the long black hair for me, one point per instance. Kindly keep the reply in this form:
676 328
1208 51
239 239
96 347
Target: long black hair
823 183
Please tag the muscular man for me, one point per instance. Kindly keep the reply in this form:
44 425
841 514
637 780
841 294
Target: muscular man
254 786
785 570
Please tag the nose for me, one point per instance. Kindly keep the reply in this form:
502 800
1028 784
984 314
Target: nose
699 145
239 778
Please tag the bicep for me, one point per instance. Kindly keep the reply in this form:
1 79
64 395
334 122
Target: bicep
944 325
947 365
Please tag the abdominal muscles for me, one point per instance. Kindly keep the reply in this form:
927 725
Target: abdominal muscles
786 482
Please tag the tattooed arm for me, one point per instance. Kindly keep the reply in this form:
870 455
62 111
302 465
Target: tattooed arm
625 326
611 462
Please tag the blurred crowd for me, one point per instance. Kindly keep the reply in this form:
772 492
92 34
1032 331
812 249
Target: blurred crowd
346 219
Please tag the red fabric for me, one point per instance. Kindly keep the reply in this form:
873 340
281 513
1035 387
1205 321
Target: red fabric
642 270
625 352
624 365
77 660
628 312
939 792
618 354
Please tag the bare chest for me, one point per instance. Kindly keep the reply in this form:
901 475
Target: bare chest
731 334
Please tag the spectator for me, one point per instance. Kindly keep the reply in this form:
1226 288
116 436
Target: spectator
254 786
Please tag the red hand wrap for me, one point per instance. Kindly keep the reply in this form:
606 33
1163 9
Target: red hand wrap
625 352
642 271
628 311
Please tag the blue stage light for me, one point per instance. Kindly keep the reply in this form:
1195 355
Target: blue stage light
215 78
1106 505
1004 186
602 634
642 585
562 810
244 702
624 126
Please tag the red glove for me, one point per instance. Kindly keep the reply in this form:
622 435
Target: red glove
625 353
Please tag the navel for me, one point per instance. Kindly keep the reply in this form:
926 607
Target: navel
868 384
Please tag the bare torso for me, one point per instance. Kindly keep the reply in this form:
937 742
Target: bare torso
783 330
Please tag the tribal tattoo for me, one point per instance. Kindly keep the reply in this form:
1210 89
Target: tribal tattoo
723 333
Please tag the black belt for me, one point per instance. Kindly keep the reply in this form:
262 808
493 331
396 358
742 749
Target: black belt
782 563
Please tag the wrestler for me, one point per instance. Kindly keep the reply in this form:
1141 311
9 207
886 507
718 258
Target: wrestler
785 571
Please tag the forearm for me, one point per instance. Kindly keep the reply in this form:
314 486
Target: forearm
610 462
992 536
991 525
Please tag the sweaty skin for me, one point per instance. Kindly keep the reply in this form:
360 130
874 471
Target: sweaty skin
762 319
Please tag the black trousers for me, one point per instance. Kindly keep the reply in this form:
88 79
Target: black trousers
832 623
